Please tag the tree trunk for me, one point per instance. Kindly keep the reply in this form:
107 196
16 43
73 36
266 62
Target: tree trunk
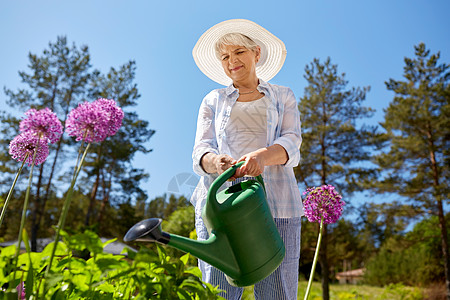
443 227
92 199
40 207
441 215
323 250
94 191
445 252
324 264
106 185
102 210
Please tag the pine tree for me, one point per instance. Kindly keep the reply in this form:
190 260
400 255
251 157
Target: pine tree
334 146
417 122
60 79
113 179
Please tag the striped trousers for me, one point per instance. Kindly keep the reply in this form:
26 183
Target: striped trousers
282 284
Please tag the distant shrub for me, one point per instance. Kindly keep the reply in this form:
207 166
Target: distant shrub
413 259
402 292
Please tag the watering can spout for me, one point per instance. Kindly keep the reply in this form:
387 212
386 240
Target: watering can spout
208 250
147 231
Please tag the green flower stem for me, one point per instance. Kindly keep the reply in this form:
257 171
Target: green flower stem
25 208
5 205
65 208
75 173
316 256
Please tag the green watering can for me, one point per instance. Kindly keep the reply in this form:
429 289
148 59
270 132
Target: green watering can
243 242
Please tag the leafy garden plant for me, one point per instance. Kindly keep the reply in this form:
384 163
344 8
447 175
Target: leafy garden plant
146 274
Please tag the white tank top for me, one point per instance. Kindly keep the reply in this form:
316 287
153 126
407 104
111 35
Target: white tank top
247 127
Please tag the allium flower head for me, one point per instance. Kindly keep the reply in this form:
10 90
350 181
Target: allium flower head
115 114
21 291
95 120
323 202
42 122
27 143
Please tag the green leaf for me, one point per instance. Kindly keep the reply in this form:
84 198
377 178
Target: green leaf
183 294
73 262
124 274
52 280
58 295
81 281
194 271
87 240
131 254
161 253
146 255
106 287
30 278
108 263
29 282
36 259
26 241
61 249
9 251
185 258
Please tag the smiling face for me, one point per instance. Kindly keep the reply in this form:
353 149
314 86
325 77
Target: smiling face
239 62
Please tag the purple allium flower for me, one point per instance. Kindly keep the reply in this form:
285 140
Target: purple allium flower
87 120
21 291
26 144
42 122
115 114
323 201
95 120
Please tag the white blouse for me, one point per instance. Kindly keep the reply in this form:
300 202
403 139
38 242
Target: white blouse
247 127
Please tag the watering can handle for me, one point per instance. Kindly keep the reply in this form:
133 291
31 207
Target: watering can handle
224 177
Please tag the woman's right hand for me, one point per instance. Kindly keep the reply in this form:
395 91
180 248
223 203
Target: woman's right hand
223 162
217 163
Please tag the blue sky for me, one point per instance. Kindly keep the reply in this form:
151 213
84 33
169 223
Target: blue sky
368 40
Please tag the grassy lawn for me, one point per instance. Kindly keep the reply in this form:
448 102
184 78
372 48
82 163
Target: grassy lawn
355 292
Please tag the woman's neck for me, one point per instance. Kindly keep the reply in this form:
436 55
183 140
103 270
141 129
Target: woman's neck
248 90
247 85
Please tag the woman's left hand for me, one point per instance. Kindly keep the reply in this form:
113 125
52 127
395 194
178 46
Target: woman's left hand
253 166
256 161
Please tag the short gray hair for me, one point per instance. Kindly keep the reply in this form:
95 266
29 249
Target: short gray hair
235 39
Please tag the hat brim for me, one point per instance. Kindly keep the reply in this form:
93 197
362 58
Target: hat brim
273 50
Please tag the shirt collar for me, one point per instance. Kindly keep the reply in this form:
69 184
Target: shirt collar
261 87
230 89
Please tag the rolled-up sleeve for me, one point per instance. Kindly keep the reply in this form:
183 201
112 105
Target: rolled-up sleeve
290 138
205 137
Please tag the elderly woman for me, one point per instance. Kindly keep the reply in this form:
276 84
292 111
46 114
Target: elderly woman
254 121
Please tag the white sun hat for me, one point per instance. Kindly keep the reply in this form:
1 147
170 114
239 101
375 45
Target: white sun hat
273 51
